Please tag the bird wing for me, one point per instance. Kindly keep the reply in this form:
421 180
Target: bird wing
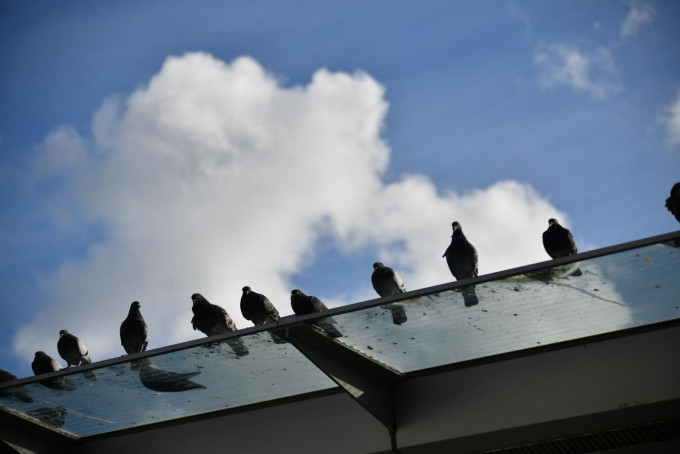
398 281
223 318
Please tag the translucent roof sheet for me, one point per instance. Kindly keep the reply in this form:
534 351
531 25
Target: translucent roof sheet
516 310
557 304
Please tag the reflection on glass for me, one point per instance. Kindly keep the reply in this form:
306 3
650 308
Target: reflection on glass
212 378
157 379
53 416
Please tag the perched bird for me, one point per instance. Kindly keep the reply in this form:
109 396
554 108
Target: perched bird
157 379
387 282
673 202
72 350
212 319
19 392
461 256
43 364
305 304
558 241
133 331
257 308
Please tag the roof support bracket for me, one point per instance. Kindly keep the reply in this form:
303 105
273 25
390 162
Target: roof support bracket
367 381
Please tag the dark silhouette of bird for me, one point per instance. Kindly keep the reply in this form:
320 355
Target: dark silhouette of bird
673 202
387 282
72 350
212 320
208 318
257 308
43 364
558 241
303 304
461 256
157 379
133 331
20 392
54 416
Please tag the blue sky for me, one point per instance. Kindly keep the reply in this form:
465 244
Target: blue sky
149 151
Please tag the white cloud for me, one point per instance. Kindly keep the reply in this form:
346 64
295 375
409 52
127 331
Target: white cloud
561 64
637 17
672 120
214 176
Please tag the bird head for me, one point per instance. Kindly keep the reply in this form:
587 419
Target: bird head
295 292
62 332
456 226
246 290
552 221
675 191
377 266
135 305
39 354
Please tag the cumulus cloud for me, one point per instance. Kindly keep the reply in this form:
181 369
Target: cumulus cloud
672 120
560 64
636 18
214 176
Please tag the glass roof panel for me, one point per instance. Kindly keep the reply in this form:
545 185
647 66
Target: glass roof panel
594 296
149 390
554 304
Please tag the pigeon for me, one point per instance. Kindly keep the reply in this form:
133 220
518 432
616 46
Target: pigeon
73 351
673 202
387 282
212 319
304 304
19 392
157 379
558 241
133 331
257 308
461 256
43 364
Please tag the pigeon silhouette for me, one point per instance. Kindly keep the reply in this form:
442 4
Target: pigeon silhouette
157 379
305 304
212 320
43 364
558 241
133 331
387 282
257 308
20 392
461 257
72 350
673 202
